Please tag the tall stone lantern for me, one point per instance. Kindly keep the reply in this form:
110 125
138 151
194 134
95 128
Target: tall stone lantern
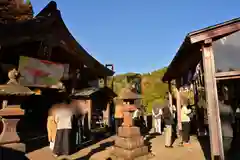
129 144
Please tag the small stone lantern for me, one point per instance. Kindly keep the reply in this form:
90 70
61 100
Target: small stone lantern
129 144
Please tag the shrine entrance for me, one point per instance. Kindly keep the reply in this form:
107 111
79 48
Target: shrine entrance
207 62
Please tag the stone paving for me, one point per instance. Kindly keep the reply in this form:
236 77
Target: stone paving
161 153
193 151
101 150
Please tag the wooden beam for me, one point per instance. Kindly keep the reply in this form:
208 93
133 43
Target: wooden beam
226 78
212 33
227 74
212 102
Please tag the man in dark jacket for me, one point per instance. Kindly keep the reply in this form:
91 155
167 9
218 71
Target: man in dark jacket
169 121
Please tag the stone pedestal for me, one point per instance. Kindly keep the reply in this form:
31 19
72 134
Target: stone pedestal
9 137
129 145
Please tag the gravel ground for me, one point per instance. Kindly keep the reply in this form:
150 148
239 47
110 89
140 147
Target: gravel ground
100 151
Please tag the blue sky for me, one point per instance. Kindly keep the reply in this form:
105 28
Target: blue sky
138 35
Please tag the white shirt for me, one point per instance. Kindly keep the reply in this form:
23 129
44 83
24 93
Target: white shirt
184 114
136 113
238 110
159 113
173 110
63 118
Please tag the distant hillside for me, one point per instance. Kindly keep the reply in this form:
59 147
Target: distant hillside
153 89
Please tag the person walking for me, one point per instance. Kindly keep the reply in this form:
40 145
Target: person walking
118 116
173 111
51 127
157 116
139 120
136 117
185 119
63 119
80 110
168 120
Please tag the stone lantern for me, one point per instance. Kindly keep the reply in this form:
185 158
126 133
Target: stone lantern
11 114
129 144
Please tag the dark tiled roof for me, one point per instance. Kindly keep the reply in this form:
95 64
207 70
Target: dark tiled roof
49 22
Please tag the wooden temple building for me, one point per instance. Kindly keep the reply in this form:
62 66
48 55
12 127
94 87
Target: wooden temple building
209 58
44 37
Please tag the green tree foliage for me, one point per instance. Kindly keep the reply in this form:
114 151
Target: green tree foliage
153 89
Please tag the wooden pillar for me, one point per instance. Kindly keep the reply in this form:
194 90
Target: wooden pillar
212 102
178 101
105 81
170 93
74 79
90 106
107 115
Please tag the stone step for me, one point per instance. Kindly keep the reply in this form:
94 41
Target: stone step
128 131
145 157
129 154
129 143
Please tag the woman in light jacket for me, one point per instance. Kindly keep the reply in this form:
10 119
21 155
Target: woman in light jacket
51 127
63 118
185 118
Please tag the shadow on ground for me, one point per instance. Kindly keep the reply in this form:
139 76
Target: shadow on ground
233 154
10 154
36 143
205 145
148 140
96 137
102 147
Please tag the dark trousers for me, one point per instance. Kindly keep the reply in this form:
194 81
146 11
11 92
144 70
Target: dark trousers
185 132
227 143
79 133
118 123
237 125
63 142
139 122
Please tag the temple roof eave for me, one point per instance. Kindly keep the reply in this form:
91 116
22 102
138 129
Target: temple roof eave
190 53
40 27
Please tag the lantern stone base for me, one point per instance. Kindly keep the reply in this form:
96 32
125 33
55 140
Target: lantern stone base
9 137
129 145
21 147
